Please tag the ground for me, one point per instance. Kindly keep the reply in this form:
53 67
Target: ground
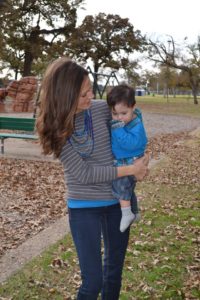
32 204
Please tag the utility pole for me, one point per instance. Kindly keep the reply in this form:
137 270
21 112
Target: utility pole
168 70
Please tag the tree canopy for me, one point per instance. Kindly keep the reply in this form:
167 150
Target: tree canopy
30 28
106 40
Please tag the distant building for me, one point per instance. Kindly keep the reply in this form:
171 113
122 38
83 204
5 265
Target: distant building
140 92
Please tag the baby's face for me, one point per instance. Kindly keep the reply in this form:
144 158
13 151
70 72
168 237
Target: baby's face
121 112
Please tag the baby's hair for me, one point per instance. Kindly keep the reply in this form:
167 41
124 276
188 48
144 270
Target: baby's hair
122 93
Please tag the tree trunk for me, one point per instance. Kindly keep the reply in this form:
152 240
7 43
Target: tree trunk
195 92
28 60
195 99
174 92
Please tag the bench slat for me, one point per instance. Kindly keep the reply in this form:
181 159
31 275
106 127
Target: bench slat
17 124
12 123
18 136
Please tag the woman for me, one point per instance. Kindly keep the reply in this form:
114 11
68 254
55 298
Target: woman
75 129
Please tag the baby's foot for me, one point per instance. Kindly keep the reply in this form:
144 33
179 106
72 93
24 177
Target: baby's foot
127 218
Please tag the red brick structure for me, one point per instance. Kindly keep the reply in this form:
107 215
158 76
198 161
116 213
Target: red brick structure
22 92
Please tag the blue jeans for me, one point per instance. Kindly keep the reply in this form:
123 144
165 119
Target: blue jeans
123 189
88 225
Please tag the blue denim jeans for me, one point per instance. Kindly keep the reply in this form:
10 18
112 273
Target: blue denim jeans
88 226
123 189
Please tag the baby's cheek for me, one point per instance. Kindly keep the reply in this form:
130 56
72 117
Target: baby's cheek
114 117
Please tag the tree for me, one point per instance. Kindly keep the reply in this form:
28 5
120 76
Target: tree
168 79
30 28
186 59
106 40
183 82
131 75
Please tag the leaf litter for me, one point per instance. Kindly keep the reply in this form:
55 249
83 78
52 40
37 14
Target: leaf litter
32 197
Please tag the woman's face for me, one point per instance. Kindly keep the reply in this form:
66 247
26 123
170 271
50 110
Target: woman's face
86 95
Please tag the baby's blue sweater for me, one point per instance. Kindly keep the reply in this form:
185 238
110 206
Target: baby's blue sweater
128 140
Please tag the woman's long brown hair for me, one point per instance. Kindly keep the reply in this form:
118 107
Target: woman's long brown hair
59 93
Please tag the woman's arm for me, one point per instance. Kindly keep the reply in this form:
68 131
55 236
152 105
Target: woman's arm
87 173
139 169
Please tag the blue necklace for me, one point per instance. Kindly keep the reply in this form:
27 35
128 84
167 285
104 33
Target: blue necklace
83 140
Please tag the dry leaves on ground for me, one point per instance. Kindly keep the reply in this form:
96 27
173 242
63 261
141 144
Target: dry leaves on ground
183 157
33 193
32 196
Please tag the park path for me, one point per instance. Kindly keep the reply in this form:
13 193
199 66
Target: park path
14 259
157 124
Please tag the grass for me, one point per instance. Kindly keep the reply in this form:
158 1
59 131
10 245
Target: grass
164 246
179 105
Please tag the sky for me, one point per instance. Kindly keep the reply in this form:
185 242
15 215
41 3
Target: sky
177 18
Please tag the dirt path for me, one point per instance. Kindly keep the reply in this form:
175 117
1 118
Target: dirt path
14 259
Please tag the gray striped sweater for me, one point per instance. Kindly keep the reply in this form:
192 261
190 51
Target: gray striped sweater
91 178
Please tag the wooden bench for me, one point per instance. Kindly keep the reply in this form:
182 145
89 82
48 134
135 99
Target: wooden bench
23 127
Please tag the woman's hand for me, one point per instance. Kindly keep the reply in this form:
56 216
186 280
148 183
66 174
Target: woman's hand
139 169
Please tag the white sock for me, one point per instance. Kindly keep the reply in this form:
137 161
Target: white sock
127 218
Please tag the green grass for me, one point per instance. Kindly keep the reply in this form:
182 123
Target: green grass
164 246
179 105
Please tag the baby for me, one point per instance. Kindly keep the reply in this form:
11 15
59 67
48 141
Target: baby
129 140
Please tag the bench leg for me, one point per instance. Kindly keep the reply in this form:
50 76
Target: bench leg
2 145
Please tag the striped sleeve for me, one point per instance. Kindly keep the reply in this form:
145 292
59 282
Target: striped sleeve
85 172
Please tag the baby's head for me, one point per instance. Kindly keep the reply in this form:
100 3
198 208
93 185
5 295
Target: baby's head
121 100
